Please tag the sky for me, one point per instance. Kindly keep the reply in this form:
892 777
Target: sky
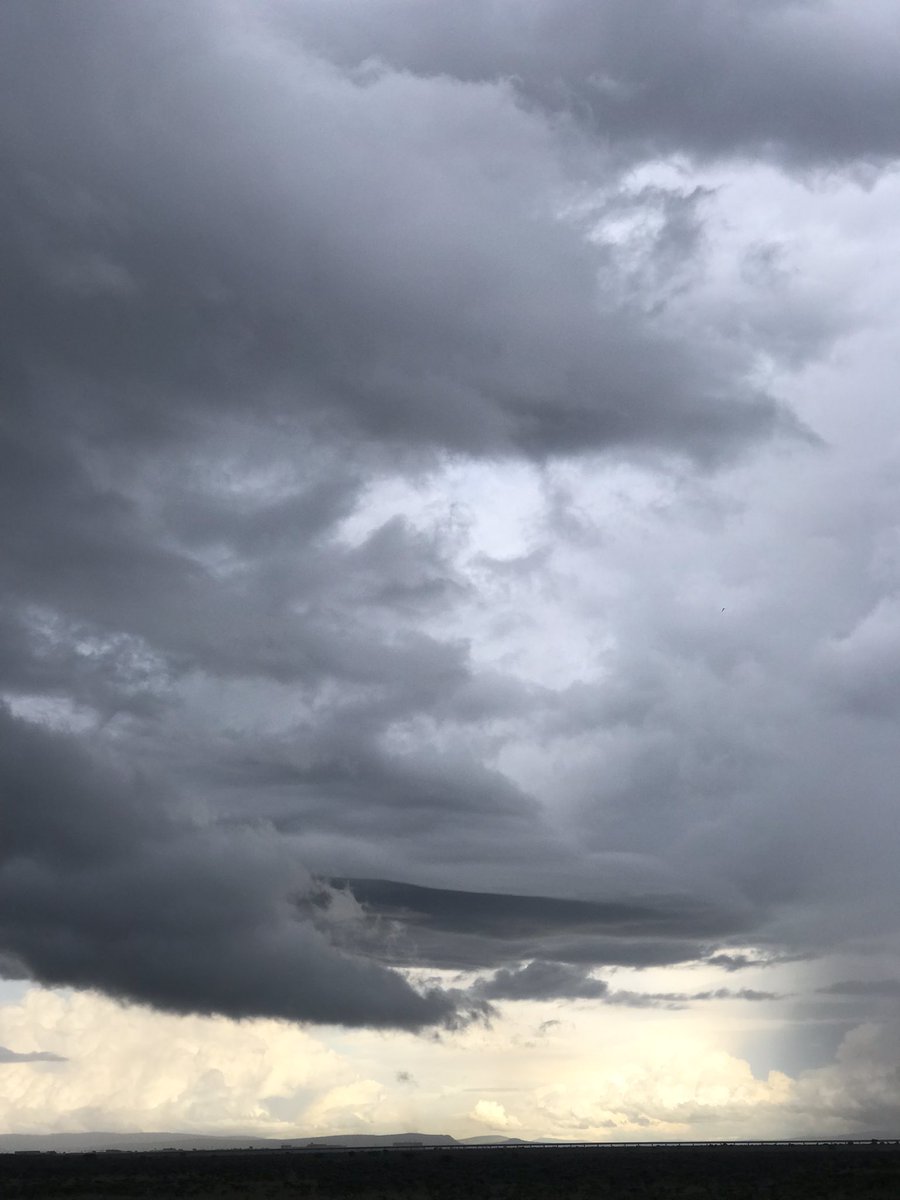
450 567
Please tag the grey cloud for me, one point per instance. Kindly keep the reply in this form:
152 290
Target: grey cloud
177 326
502 914
540 980
861 669
466 930
731 962
443 306
473 952
101 887
543 981
738 994
862 987
810 82
743 962
95 609
795 815
12 967
12 1056
861 1086
338 780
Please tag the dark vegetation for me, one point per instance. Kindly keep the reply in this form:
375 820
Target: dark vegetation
852 1172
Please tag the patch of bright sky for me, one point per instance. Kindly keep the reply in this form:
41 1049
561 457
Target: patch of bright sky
591 518
54 712
12 991
496 503
576 1070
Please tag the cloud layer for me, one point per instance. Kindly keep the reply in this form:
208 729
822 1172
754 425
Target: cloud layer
436 537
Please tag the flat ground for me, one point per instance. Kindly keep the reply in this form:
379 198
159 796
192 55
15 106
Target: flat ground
860 1172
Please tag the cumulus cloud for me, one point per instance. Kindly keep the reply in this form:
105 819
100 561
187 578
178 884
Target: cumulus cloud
202 1074
494 1115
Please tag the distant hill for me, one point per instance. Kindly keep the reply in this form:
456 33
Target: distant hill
81 1142
491 1139
361 1140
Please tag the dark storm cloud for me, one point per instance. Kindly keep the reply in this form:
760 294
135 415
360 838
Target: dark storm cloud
101 886
467 952
11 1056
243 288
504 915
189 225
195 284
399 789
465 930
804 80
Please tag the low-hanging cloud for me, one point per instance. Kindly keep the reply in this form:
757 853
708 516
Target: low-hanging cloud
101 887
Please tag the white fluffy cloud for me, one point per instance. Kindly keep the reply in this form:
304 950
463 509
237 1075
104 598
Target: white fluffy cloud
130 1068
545 1070
492 1114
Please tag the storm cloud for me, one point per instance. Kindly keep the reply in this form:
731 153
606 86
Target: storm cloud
191 228
432 540
812 83
102 886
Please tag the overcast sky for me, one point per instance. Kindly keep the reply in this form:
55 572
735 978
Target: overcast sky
450 566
